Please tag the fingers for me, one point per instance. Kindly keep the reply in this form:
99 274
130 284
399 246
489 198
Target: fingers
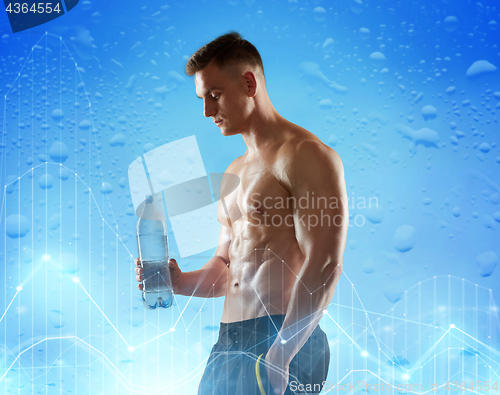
138 271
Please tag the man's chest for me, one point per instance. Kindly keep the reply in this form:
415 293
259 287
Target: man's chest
260 192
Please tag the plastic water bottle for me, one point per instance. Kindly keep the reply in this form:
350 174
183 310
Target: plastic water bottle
152 243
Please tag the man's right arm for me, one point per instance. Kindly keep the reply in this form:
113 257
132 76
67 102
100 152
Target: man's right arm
211 280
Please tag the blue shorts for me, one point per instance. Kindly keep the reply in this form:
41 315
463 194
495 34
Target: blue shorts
236 364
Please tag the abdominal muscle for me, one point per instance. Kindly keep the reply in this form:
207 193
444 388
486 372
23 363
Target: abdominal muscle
263 269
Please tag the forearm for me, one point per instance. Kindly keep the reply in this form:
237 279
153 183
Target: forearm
311 294
208 282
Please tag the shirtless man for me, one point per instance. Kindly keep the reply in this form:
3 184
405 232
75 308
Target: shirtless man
282 237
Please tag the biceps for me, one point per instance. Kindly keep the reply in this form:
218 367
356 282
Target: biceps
323 243
321 231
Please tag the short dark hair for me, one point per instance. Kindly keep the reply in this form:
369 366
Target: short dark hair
225 50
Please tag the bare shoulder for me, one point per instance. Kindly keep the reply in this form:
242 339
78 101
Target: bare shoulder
306 153
234 166
314 149
307 164
230 179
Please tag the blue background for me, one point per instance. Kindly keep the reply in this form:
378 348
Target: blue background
107 81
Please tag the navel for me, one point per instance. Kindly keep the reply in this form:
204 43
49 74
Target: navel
256 208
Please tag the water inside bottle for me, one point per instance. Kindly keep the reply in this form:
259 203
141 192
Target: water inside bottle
157 291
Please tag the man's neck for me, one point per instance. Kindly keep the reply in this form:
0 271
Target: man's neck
264 129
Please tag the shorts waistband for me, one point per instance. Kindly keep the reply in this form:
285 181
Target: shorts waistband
266 324
247 333
257 330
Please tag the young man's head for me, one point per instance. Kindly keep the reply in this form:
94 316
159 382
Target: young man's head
229 77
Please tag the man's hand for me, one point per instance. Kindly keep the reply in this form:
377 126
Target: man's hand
278 377
176 275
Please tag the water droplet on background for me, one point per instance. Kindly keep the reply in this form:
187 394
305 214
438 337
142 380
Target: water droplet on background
57 114
106 188
58 152
56 318
319 14
450 23
54 222
487 262
404 238
64 173
46 181
17 226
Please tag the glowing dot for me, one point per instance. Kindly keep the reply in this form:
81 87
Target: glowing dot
452 325
325 311
283 341
172 329
46 257
76 279
19 287
364 353
131 348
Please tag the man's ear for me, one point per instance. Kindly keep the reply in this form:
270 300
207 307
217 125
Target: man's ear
251 83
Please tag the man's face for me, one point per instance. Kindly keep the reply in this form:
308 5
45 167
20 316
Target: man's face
225 98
